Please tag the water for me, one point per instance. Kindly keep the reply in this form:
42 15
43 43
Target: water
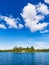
37 58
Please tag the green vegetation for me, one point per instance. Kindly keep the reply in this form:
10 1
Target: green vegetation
22 50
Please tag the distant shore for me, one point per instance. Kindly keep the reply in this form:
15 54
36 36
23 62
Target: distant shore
25 50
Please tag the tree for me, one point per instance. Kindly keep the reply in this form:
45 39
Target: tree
32 48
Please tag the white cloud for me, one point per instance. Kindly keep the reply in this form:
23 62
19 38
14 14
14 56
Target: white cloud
9 21
46 1
42 8
45 31
29 9
31 18
12 22
20 26
2 26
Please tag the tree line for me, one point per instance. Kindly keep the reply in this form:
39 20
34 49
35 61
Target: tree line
27 49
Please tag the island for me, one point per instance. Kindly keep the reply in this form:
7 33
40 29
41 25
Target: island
25 50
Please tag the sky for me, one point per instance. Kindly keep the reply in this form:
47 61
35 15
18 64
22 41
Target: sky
24 23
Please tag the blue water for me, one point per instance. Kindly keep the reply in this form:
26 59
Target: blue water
37 58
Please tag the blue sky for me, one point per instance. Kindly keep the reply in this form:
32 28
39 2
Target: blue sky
24 23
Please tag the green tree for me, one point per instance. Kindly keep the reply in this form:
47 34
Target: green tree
32 48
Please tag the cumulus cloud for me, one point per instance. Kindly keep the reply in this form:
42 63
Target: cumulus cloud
20 26
11 22
46 1
45 31
43 9
33 14
2 26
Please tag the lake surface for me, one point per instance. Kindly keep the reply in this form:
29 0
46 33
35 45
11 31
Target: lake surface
37 58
